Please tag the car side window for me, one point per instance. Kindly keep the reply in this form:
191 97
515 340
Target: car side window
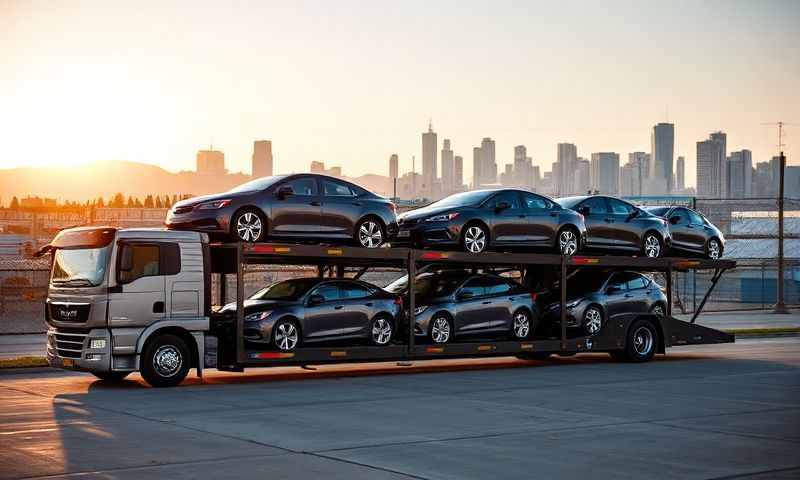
534 202
637 282
336 189
511 197
694 218
351 291
682 213
597 205
474 286
620 208
328 292
303 186
496 286
618 280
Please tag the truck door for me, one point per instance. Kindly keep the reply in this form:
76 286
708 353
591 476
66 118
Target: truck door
136 296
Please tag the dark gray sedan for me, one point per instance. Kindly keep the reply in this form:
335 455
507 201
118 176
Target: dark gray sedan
595 297
308 310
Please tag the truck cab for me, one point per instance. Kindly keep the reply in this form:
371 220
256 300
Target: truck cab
124 300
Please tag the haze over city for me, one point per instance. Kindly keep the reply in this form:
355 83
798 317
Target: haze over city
351 83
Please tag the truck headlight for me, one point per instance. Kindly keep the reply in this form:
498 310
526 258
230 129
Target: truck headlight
97 343
254 317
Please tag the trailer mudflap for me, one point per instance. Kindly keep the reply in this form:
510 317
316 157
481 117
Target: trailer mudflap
678 332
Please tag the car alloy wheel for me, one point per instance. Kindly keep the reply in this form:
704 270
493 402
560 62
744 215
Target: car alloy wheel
567 242
643 341
522 325
286 336
592 320
381 331
475 239
167 360
713 249
440 330
370 235
652 246
249 227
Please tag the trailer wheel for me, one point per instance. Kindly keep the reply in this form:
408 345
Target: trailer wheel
441 328
165 361
285 335
592 320
640 344
521 326
111 376
381 330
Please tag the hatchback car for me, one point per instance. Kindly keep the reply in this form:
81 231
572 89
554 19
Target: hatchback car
293 207
451 304
595 297
484 219
308 310
614 224
691 231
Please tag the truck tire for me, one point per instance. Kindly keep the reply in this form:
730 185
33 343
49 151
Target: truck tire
640 343
165 361
111 376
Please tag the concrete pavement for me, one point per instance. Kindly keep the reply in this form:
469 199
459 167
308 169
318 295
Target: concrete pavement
699 412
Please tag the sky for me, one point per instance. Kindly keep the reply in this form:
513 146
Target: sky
351 82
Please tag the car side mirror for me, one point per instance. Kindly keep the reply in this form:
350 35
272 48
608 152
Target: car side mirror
635 213
503 205
674 219
315 300
584 210
125 258
466 295
613 289
284 191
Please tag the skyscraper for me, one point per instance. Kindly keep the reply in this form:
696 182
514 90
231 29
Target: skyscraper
489 164
458 173
605 172
721 162
740 174
394 166
477 167
211 162
662 148
680 174
564 176
712 173
638 169
429 147
523 168
262 158
448 167
583 176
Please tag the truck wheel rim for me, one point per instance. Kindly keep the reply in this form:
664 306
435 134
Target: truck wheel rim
652 247
568 242
713 250
643 340
381 331
248 227
440 332
167 360
521 325
286 336
475 239
370 235
593 321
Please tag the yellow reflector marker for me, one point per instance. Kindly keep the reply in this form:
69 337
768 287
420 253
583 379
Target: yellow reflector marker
334 251
282 249
435 349
485 348
339 353
526 346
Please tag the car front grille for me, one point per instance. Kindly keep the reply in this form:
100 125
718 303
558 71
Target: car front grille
184 209
407 223
67 344
69 312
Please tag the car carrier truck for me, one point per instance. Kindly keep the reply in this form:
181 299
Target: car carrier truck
126 300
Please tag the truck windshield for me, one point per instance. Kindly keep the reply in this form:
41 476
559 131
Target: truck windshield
80 267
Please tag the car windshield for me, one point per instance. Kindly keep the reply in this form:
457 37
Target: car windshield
79 267
658 211
585 282
569 202
289 290
463 199
258 184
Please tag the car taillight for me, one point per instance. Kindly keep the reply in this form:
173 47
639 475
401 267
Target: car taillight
533 296
398 301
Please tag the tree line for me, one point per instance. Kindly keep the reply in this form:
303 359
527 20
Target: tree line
116 201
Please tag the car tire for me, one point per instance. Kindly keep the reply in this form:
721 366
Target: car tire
475 238
641 343
713 249
652 245
381 330
249 226
521 324
165 361
659 310
592 320
285 335
441 329
568 241
370 233
111 376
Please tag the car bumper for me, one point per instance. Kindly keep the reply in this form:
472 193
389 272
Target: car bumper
432 235
208 222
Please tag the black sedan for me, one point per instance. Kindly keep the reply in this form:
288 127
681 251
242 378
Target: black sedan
294 207
484 219
614 224
309 310
691 231
452 304
595 297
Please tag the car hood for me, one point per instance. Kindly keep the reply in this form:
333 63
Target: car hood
425 212
257 306
208 198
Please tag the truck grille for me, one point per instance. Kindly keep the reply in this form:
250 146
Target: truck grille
69 312
67 345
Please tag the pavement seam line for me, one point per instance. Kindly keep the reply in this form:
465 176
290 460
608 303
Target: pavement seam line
722 432
353 462
750 474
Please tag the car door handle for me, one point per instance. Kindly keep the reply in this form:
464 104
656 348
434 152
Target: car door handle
553 214
609 220
357 204
510 299
315 203
369 304
628 295
338 307
487 302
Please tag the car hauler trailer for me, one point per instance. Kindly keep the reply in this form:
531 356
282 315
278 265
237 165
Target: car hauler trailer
164 325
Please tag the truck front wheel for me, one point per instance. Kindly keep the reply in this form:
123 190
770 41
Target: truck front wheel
165 361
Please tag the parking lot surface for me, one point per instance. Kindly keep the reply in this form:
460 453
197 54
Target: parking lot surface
699 412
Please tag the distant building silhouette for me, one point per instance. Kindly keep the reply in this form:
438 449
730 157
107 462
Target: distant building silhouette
662 147
262 158
740 174
394 166
458 173
211 162
564 171
605 172
448 168
429 147
319 167
582 181
680 175
484 164
712 173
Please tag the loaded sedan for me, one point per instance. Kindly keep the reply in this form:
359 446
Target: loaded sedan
614 224
300 207
597 297
484 219
308 310
691 231
451 305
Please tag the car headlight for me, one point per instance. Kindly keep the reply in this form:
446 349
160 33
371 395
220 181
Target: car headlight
215 205
254 317
446 217
573 304
421 309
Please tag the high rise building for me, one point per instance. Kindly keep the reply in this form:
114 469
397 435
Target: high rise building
712 174
680 174
211 162
662 147
762 180
394 166
564 175
429 151
488 161
582 176
740 174
605 172
448 168
507 177
262 158
458 173
536 176
477 166
636 175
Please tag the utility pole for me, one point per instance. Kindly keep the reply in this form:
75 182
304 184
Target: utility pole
780 305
